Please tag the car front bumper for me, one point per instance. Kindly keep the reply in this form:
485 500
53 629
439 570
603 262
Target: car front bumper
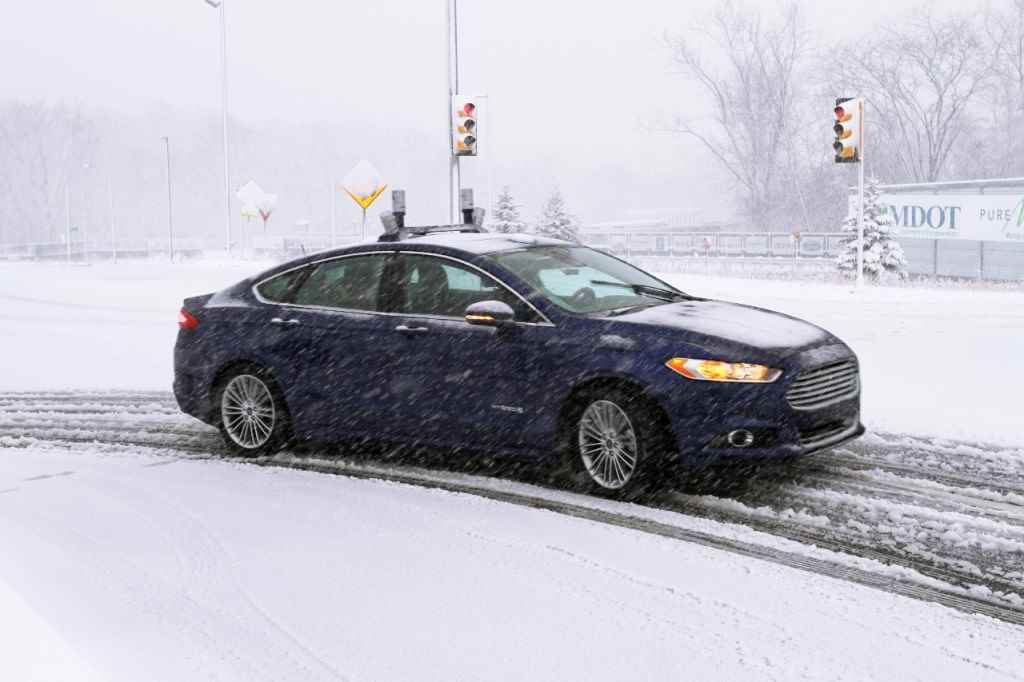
781 426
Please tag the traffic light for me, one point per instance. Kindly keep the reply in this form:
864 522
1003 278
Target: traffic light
464 126
849 129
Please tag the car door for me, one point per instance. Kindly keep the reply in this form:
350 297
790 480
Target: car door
335 332
464 384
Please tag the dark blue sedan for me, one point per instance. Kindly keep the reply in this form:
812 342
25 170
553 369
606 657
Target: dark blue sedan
515 345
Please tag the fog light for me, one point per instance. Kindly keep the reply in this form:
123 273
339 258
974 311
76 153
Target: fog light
740 438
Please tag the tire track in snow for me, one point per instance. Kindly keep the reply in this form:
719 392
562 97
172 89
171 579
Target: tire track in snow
123 431
944 461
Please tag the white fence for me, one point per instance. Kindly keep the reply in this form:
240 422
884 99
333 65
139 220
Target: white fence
782 251
717 244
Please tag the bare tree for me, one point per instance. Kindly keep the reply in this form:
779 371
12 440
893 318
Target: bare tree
42 144
920 82
748 72
995 146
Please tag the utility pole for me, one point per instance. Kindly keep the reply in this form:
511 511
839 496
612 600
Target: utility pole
334 216
220 5
170 211
860 202
224 122
454 170
848 127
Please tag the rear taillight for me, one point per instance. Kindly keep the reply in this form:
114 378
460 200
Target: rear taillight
187 320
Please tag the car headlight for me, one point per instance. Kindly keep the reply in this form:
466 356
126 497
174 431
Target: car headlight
719 370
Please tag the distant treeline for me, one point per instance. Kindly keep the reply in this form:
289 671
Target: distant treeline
945 100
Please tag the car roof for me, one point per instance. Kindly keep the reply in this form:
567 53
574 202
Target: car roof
474 243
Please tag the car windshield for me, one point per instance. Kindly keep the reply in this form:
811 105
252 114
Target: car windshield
582 280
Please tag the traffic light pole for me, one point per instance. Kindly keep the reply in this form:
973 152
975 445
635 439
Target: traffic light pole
454 170
860 201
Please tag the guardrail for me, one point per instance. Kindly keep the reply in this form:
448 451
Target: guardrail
718 244
273 246
733 251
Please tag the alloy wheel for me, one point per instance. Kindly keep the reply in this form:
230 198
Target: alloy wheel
247 411
607 444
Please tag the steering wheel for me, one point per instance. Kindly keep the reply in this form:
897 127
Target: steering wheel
582 298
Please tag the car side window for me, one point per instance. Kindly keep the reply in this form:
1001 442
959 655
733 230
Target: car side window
437 286
277 289
350 283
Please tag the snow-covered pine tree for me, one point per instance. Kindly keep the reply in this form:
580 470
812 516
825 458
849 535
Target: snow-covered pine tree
556 221
882 252
506 214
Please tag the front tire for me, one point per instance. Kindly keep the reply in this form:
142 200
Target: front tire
252 415
615 443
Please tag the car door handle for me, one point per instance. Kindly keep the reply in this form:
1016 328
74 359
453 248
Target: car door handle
411 330
278 320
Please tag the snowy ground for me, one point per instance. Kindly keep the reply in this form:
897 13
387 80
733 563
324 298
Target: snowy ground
131 553
98 326
132 566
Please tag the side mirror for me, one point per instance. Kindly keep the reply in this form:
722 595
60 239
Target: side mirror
489 313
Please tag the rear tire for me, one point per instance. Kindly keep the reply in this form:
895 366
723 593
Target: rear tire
252 415
616 445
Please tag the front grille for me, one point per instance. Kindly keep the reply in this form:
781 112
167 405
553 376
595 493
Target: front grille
821 386
819 434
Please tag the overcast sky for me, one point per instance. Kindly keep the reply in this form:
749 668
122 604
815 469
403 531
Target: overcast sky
571 83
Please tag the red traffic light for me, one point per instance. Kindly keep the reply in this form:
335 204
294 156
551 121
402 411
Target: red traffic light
469 108
840 112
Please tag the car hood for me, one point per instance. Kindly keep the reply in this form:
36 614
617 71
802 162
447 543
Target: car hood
743 325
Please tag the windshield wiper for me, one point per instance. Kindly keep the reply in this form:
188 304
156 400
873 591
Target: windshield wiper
647 290
615 312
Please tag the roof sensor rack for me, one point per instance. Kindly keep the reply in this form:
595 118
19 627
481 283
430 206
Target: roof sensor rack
400 233
396 230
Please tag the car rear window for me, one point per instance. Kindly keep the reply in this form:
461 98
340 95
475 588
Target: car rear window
277 289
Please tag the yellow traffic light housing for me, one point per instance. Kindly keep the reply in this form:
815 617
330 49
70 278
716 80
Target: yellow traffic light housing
465 128
849 129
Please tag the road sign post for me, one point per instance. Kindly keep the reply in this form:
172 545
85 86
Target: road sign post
364 184
255 203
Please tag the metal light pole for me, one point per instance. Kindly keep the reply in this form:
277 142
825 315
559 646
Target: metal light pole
452 51
860 192
67 218
334 216
220 6
85 224
170 212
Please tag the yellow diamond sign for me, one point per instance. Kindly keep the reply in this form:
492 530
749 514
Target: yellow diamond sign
364 184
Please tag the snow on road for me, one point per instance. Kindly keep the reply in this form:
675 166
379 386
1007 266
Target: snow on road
169 569
879 504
